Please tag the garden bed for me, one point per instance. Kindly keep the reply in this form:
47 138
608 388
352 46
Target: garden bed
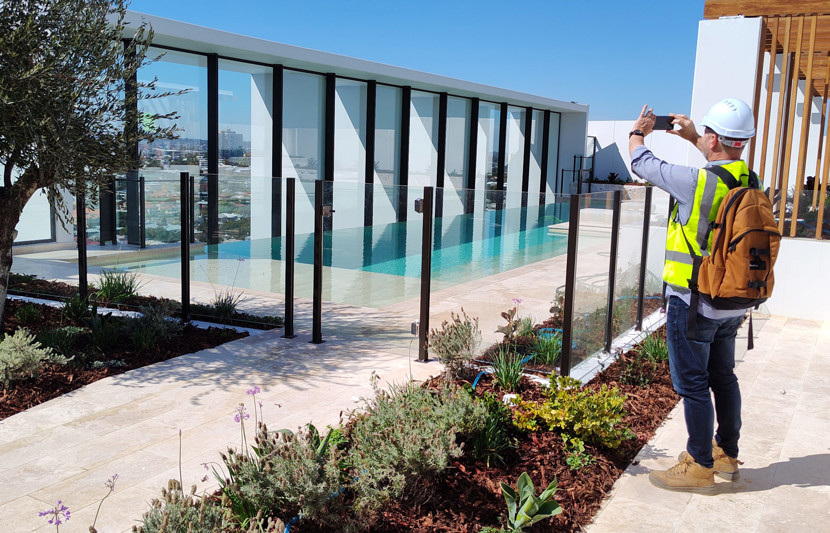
56 380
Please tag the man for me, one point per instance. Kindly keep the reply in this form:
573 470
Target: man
708 361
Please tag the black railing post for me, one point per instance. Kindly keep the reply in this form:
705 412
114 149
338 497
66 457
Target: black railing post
641 289
184 187
426 273
288 331
80 222
612 269
317 288
142 214
570 286
191 201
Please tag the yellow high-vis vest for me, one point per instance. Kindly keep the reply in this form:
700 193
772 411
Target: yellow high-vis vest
697 231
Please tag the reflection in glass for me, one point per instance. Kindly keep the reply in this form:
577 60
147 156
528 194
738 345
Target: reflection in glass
423 139
245 133
535 162
387 153
163 160
349 148
457 150
487 154
552 178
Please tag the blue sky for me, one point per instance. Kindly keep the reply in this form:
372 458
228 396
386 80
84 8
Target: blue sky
613 55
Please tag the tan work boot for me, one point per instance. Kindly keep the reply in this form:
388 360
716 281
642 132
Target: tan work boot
687 475
725 467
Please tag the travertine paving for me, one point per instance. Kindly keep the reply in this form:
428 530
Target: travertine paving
785 478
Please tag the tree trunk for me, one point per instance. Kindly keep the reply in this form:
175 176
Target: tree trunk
7 235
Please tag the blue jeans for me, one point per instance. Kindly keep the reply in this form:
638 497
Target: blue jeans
708 362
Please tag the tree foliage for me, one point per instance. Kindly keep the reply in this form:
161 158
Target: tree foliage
68 103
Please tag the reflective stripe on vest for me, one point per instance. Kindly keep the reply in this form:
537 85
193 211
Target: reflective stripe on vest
709 194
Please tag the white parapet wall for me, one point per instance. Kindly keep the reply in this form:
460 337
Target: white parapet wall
800 290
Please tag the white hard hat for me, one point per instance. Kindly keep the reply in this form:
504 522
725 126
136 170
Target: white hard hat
732 120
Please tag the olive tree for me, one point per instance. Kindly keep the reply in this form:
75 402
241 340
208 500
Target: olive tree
68 104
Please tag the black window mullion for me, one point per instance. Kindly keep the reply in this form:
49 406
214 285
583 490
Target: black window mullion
502 146
545 156
276 151
526 166
442 140
328 134
403 179
470 178
213 149
369 178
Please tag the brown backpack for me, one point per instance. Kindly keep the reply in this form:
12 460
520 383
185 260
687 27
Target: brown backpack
737 273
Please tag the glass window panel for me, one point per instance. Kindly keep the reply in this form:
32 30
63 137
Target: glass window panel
162 160
553 177
302 139
423 139
514 160
457 150
487 153
349 151
245 133
535 163
387 153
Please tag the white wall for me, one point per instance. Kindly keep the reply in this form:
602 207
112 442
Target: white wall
573 128
799 291
612 146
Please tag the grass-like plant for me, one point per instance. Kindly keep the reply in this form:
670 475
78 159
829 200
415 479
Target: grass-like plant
117 286
491 442
507 368
76 308
104 330
225 304
455 343
526 327
28 314
152 326
61 340
655 348
548 348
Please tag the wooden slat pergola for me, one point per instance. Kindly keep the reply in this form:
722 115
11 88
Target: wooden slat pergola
796 37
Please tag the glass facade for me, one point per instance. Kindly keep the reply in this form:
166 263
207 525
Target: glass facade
387 152
553 156
457 152
423 139
350 148
487 156
245 134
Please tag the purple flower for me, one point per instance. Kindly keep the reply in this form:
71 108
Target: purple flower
254 391
110 483
240 259
56 513
240 414
517 301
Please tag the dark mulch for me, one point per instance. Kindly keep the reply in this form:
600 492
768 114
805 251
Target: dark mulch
468 495
57 380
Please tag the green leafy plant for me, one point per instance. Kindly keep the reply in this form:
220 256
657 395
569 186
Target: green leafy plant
525 328
28 314
76 308
524 507
548 348
104 330
491 442
225 304
153 325
577 457
61 340
507 368
404 435
117 286
455 343
593 416
637 369
513 322
295 473
22 358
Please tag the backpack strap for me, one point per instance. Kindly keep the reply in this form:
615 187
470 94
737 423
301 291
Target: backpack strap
726 176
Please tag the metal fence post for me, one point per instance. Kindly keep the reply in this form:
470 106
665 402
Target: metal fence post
288 329
317 288
426 272
612 269
80 222
641 289
142 215
570 286
185 221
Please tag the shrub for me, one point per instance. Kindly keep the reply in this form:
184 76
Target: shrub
507 369
117 286
637 369
177 511
526 327
28 314
153 325
493 440
405 435
103 330
548 348
294 474
22 358
594 417
225 304
655 348
60 340
455 343
76 308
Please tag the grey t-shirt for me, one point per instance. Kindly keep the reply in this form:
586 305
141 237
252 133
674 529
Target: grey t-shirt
679 181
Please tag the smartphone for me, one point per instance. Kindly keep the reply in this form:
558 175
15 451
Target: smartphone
663 122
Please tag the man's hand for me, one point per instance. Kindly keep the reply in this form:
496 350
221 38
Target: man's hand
686 129
645 122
